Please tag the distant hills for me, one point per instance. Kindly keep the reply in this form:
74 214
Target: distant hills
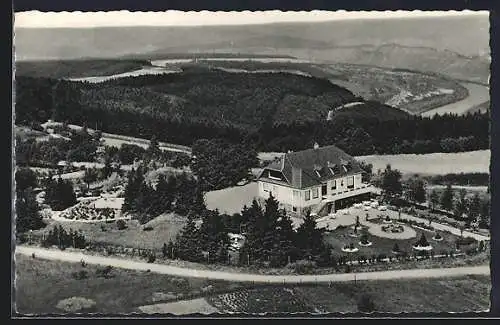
454 46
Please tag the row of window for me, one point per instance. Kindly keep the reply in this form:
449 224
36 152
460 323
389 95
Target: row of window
315 191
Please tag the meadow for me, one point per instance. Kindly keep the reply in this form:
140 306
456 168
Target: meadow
122 292
126 291
161 230
434 163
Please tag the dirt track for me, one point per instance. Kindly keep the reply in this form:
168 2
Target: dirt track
242 277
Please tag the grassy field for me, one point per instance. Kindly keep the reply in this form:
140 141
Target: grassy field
165 228
231 200
41 284
463 294
433 163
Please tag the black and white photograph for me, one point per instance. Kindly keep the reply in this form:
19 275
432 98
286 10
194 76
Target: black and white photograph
251 163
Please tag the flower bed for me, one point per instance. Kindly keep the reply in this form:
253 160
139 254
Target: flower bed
397 229
365 244
350 249
437 237
420 225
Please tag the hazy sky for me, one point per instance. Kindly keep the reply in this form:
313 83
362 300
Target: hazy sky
37 19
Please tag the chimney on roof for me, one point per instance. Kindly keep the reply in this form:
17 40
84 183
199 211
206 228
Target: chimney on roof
316 145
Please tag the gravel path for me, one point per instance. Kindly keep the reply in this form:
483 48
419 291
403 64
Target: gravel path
242 277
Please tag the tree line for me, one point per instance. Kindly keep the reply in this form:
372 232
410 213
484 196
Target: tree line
270 238
175 193
240 109
462 206
220 164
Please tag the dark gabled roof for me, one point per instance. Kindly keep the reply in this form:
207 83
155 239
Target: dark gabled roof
315 166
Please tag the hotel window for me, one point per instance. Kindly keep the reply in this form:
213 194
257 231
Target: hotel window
296 195
308 195
294 209
265 187
315 193
334 185
350 182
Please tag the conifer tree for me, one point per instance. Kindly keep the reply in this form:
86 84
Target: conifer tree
285 235
213 236
27 212
253 238
133 189
447 198
130 191
309 238
60 194
188 243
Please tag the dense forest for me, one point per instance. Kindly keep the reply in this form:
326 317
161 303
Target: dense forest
77 68
275 111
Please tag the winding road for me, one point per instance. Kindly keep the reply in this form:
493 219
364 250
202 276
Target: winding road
52 254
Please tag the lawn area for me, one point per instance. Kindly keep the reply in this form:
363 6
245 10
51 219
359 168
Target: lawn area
433 163
41 284
461 294
340 237
165 228
231 200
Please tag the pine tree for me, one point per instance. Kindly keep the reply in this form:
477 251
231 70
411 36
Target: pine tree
417 191
422 242
60 194
447 198
90 176
285 235
163 196
198 205
27 212
267 227
474 207
108 168
434 199
130 191
391 181
309 238
213 236
133 190
253 234
461 204
164 250
188 243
